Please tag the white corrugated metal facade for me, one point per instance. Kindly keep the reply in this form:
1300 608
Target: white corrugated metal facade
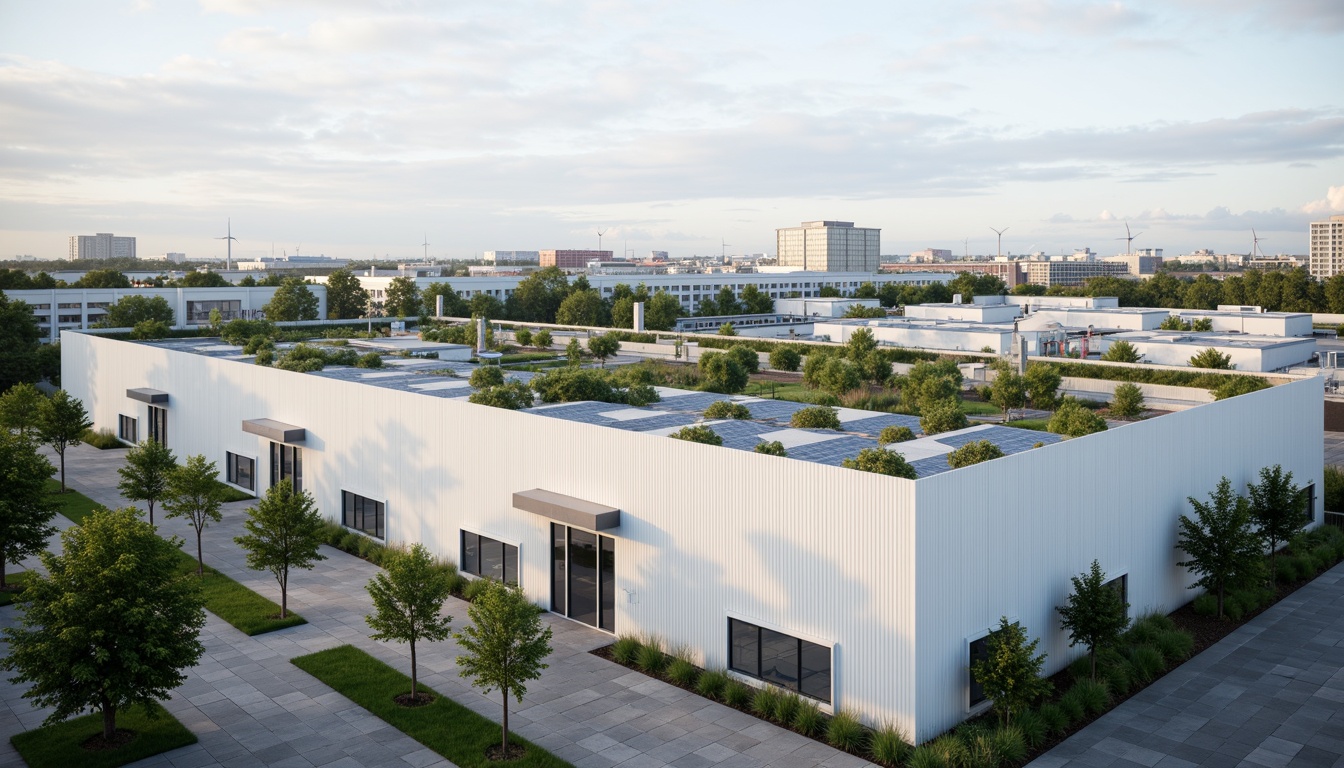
830 555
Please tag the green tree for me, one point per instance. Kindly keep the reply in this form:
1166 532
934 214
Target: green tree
772 448
815 417
1042 382
408 598
582 308
928 383
61 420
1095 614
727 329
453 304
102 278
149 330
785 359
861 349
1127 402
113 625
1121 352
20 407
1276 507
194 493
1212 358
574 352
1010 674
346 298
537 297
206 279
19 343
132 310
1174 323
697 434
402 298
293 300
756 302
284 531
603 346
26 509
721 373
836 375
860 311
1073 419
1219 544
883 462
1203 293
523 336
894 434
504 647
511 395
973 453
746 356
542 339
727 409
942 416
1009 390
486 376
829 292
146 474
1201 324
661 311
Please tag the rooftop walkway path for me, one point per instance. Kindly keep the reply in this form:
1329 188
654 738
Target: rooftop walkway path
250 707
1269 694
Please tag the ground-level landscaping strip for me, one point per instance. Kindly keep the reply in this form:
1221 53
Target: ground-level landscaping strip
12 579
448 728
61 745
73 504
246 610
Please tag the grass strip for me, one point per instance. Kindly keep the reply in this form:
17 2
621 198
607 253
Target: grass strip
6 596
1036 424
73 504
444 726
249 612
58 745
228 493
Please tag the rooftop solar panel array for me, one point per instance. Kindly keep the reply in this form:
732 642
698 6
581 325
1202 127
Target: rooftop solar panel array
875 424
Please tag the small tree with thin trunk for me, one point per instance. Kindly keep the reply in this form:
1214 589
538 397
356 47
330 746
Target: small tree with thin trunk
1011 672
26 509
194 493
113 625
603 347
408 599
1276 509
1095 614
61 420
20 407
1222 548
284 531
145 475
504 647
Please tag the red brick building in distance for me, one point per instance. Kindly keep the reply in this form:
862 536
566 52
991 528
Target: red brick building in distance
572 259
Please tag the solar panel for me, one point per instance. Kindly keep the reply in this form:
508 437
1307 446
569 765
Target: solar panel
875 424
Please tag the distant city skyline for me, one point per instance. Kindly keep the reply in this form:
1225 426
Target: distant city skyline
359 130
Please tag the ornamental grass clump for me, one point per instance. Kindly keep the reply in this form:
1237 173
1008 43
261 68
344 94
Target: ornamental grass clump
650 659
736 695
711 683
682 672
1033 727
889 746
765 702
1055 718
1148 663
787 708
625 648
809 720
1093 695
846 732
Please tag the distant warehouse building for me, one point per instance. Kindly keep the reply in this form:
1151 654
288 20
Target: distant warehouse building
511 257
1050 273
571 259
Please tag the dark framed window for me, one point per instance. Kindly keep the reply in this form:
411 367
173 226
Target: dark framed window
583 576
128 428
1309 502
363 515
558 578
979 652
287 464
1121 586
241 470
780 659
484 556
158 424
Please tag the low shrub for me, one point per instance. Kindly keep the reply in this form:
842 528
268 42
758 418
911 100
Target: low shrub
350 542
1148 663
1119 677
846 732
726 409
474 588
889 746
1206 605
735 694
894 434
1055 719
1072 707
625 648
682 672
1010 744
925 756
1034 729
949 751
650 659
102 439
765 702
711 683
815 417
1081 668
808 720
979 748
787 708
1093 695
1176 645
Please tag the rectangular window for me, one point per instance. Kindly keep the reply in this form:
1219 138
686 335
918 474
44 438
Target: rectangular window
127 428
363 515
287 464
1121 586
241 470
1309 502
606 573
558 579
484 556
781 659
979 652
158 425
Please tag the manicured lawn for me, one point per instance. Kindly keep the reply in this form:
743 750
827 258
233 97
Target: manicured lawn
444 726
7 597
979 408
248 611
74 505
58 746
228 493
779 391
1036 424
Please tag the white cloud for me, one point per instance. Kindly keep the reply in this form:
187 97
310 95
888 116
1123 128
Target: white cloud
1334 201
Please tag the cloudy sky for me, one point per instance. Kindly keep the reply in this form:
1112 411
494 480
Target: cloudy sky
360 128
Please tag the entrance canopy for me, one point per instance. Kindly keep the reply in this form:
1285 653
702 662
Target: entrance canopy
568 509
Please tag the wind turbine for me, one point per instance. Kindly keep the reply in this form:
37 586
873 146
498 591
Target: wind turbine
1000 232
600 233
723 250
1129 239
229 238
1255 247
426 244
966 248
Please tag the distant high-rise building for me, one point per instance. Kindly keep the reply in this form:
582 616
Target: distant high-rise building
1070 272
930 255
829 246
1326 255
571 259
511 257
176 258
103 245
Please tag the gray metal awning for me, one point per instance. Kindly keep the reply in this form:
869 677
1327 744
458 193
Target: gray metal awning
151 396
567 509
278 431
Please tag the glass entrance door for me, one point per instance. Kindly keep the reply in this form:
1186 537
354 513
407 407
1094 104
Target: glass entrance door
583 576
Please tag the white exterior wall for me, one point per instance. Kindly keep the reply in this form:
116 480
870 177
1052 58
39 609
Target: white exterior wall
1270 357
1254 323
1049 302
819 552
972 313
1128 319
1004 537
929 337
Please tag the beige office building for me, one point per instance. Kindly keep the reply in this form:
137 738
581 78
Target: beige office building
829 246
1326 256
103 245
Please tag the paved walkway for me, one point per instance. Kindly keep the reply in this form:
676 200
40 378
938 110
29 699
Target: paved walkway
251 707
1270 694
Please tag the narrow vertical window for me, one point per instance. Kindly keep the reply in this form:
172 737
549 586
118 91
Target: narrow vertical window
606 568
558 580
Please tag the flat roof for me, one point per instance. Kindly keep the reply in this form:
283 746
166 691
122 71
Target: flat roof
919 323
1213 339
1234 313
678 408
